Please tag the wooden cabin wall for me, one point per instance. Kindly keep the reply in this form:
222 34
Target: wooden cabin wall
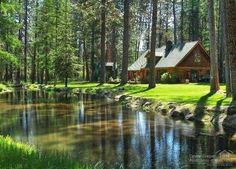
189 61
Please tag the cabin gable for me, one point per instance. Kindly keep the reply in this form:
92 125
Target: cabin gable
197 58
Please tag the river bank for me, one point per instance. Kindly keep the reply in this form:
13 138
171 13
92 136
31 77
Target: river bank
191 102
23 156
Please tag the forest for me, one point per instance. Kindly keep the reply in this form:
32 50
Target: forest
46 41
117 84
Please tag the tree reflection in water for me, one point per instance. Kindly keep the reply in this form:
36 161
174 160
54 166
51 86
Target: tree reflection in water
94 129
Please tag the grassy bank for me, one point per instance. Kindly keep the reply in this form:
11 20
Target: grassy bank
14 155
181 93
2 87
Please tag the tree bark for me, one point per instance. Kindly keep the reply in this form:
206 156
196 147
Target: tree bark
231 42
160 35
103 43
167 21
224 47
46 66
85 63
113 50
214 75
93 52
126 43
18 71
33 63
174 21
25 40
152 70
182 22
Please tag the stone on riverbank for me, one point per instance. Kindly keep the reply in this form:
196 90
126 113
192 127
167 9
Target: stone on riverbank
231 110
230 122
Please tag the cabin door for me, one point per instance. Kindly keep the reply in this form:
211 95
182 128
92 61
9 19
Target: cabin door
194 76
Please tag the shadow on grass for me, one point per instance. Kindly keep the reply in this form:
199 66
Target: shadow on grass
140 91
200 107
100 84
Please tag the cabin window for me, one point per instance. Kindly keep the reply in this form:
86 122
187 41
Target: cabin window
197 58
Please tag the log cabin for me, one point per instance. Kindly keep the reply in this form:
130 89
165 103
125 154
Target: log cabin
189 62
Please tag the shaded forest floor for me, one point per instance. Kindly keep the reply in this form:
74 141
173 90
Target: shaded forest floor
15 155
195 93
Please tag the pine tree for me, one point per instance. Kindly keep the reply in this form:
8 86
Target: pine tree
215 86
65 54
152 60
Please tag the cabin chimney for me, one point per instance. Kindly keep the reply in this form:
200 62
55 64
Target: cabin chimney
169 45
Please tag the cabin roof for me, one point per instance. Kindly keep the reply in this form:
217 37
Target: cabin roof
139 63
176 55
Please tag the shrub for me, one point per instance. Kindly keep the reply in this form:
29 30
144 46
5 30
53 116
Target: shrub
170 78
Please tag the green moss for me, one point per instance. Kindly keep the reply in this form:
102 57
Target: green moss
15 155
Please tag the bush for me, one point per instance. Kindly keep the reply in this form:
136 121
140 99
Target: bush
169 78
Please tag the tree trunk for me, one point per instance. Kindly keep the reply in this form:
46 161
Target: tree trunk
66 81
33 63
152 70
167 20
126 43
221 43
18 71
215 86
113 50
46 66
231 42
93 52
160 35
103 43
182 22
195 20
224 47
25 40
85 63
174 21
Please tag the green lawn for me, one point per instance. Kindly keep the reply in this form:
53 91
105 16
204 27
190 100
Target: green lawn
180 93
14 155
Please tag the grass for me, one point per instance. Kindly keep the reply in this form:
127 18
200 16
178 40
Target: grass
194 93
2 87
15 155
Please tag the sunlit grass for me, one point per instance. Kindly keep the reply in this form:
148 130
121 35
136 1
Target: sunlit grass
15 155
2 87
181 93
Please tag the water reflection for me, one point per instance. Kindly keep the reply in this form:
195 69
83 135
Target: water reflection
95 129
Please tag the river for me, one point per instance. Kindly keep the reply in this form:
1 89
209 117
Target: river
94 130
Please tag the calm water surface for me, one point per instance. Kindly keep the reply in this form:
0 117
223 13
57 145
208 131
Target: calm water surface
94 129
